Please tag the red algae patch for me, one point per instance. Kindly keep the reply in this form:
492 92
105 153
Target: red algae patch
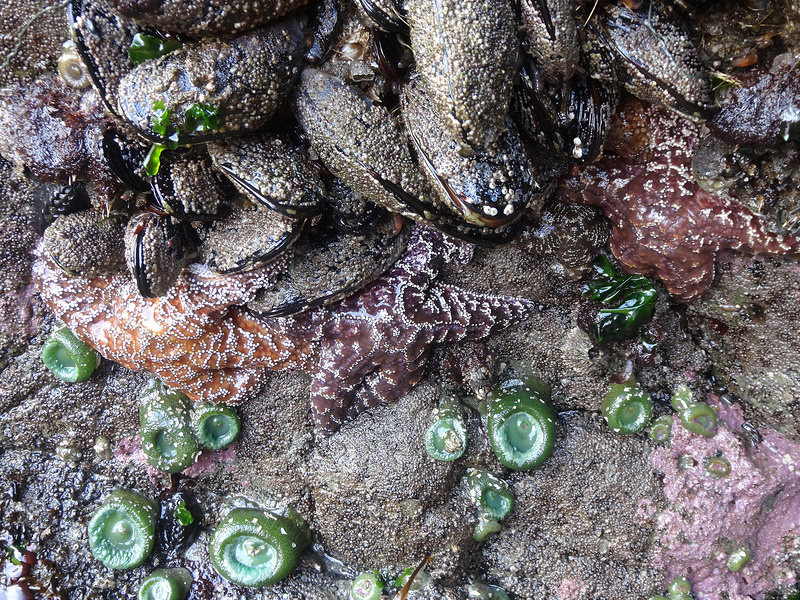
712 515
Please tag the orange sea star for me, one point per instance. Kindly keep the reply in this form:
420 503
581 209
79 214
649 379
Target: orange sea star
198 338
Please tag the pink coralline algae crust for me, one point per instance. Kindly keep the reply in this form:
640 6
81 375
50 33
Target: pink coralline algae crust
199 339
663 223
757 507
571 589
130 450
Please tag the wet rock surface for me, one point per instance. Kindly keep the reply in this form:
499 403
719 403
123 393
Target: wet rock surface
748 326
595 497
606 516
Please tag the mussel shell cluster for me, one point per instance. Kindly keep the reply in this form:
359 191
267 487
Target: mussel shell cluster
239 135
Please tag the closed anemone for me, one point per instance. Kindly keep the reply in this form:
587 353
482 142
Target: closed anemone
521 425
491 495
739 559
255 547
165 428
122 531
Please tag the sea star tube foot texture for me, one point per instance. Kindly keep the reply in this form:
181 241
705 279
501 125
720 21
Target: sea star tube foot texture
369 348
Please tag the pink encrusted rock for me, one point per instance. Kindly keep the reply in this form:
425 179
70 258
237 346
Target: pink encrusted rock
757 506
130 450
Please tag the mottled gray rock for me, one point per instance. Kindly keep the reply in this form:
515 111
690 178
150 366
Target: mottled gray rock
45 506
39 411
270 455
747 323
582 524
20 313
379 498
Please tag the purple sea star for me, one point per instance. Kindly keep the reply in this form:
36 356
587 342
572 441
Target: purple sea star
663 223
369 348
378 340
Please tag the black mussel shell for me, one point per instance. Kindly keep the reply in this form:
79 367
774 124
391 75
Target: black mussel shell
51 200
156 250
327 265
388 15
102 40
273 172
349 211
250 236
124 159
533 109
178 524
323 19
591 106
188 189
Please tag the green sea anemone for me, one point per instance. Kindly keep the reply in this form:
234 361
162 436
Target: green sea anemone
701 419
214 425
680 589
166 432
446 438
661 429
256 547
166 584
491 495
521 423
739 559
123 530
493 499
718 467
69 358
481 591
367 586
627 407
697 417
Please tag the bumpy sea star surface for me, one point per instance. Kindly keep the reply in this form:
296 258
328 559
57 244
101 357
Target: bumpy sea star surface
369 348
663 223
